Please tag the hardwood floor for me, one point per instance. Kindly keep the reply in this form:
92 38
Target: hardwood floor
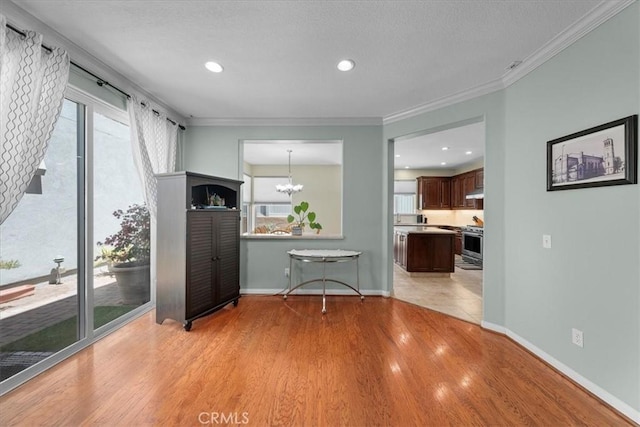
270 362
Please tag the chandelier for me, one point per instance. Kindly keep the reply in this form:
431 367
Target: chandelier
289 188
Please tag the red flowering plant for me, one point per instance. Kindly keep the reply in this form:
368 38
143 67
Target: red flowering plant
132 244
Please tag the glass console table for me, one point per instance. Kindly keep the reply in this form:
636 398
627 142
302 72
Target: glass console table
324 256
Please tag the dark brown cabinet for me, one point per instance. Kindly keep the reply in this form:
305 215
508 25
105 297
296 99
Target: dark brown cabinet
480 178
434 192
450 192
424 252
458 243
198 246
469 186
457 192
463 184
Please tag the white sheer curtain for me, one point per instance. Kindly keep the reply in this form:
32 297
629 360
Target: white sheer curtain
32 85
154 140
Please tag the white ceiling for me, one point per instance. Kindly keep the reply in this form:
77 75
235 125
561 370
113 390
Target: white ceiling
280 56
425 151
274 152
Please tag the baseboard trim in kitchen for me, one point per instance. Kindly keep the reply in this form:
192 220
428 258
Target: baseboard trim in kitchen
429 275
591 387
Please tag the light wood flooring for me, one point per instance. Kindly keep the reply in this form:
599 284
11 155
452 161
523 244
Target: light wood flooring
273 362
459 295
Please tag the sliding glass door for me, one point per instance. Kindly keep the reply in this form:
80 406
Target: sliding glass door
41 276
120 222
82 218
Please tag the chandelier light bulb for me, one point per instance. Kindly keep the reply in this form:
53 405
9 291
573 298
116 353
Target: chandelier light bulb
289 188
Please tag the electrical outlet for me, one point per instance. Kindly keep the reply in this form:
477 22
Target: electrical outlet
286 272
576 337
546 241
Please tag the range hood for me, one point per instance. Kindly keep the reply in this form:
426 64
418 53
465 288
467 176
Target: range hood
475 194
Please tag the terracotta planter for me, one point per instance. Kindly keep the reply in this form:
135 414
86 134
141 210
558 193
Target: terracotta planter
134 282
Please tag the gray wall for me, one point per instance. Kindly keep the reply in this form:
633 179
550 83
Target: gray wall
590 278
216 151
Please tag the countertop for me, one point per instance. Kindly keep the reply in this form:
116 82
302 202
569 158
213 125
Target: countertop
419 224
423 230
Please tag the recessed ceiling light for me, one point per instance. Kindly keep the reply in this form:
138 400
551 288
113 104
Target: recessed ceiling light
467 153
445 148
397 155
346 65
214 67
443 163
406 167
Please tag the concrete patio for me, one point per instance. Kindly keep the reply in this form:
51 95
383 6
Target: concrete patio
51 304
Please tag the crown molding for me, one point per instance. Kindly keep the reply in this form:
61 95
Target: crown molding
24 20
466 95
589 22
284 121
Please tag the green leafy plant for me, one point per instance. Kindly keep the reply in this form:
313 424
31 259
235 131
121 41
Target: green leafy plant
131 244
9 264
303 214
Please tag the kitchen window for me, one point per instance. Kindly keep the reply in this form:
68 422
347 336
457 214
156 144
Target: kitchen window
404 197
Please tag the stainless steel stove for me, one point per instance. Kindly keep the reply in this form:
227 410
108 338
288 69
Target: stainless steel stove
472 244
473 228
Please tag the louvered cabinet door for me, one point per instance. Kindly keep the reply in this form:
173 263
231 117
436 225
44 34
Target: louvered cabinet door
228 255
200 292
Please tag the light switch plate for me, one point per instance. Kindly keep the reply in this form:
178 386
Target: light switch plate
546 241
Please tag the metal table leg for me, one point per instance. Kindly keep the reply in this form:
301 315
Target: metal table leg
290 274
324 260
324 286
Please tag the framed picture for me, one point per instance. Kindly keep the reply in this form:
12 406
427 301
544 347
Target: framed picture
601 156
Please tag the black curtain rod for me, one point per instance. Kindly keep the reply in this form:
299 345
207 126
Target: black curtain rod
99 81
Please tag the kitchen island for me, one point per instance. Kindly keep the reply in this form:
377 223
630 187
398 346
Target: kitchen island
420 249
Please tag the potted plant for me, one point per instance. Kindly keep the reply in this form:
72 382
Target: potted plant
128 253
302 216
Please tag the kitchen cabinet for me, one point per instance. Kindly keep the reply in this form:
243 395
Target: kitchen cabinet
434 192
457 192
198 246
480 178
458 243
469 186
463 184
425 251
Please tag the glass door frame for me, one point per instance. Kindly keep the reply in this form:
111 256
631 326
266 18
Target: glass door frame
87 105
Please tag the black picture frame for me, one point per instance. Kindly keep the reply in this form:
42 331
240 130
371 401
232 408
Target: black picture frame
600 156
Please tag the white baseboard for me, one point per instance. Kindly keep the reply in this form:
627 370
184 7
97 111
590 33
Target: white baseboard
493 327
348 292
598 391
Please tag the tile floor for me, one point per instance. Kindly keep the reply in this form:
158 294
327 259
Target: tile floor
459 295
